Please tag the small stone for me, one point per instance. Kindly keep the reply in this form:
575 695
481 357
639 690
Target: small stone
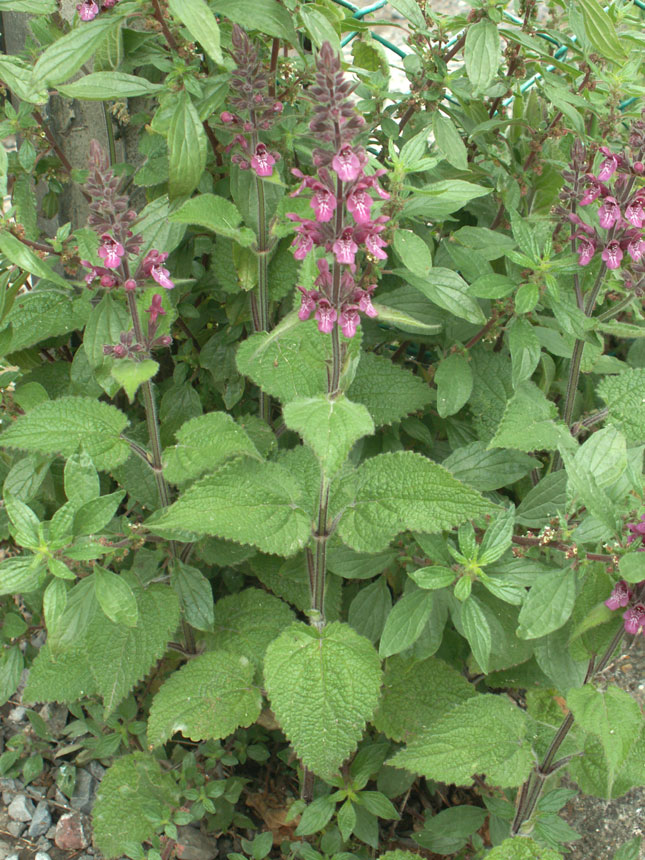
16 828
7 797
70 834
84 790
41 822
97 770
42 855
21 808
5 850
193 845
55 716
13 857
17 715
51 833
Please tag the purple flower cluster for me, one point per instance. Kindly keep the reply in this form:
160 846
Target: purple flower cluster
89 9
634 616
256 108
111 217
342 206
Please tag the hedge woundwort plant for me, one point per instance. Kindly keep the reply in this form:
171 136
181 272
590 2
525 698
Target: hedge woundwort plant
418 553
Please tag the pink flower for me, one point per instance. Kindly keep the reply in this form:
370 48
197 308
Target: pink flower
634 211
593 190
307 303
612 255
108 4
359 204
610 164
364 300
349 320
155 310
307 233
636 248
226 116
324 279
609 212
263 161
345 248
87 10
153 268
346 164
620 596
586 249
111 251
369 233
130 285
637 530
323 203
108 281
634 619
326 316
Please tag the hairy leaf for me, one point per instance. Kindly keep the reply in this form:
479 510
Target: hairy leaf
389 392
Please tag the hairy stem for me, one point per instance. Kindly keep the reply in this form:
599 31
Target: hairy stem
260 302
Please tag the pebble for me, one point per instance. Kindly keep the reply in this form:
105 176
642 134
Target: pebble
97 770
193 845
51 833
17 715
5 849
13 857
70 834
83 797
41 822
21 808
42 855
16 828
55 716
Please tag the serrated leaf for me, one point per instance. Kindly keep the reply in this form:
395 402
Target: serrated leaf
217 214
133 794
439 199
544 500
66 55
101 86
247 622
488 469
388 391
612 714
131 374
22 256
200 23
406 622
246 501
208 698
323 686
476 631
404 490
522 848
44 313
267 16
525 349
122 656
195 595
623 394
65 425
530 423
601 32
449 291
413 252
549 604
92 517
11 665
454 380
484 734
186 148
329 425
369 610
115 597
81 479
416 694
498 537
482 53
203 443
449 141
65 678
21 575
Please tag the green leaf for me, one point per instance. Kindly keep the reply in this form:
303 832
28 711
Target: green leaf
522 848
14 250
484 734
319 27
244 501
355 565
488 469
582 486
433 577
370 609
101 86
346 819
454 380
549 604
247 622
330 426
632 567
406 622
524 348
133 794
200 23
66 55
11 665
388 391
413 252
603 455
544 500
404 490
316 816
378 804
482 54
623 395
449 291
42 314
593 773
416 694
612 714
530 422
601 32
81 479
410 10
115 597
21 575
65 425
323 686
448 831
267 16
476 630
92 517
440 199
203 443
131 374
449 142
156 227
105 323
65 678
498 537
33 7
217 214
186 148
25 523
209 697
195 595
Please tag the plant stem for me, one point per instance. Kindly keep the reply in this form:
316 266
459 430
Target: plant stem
531 791
260 303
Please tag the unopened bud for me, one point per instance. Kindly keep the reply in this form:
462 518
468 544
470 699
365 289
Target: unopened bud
130 285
